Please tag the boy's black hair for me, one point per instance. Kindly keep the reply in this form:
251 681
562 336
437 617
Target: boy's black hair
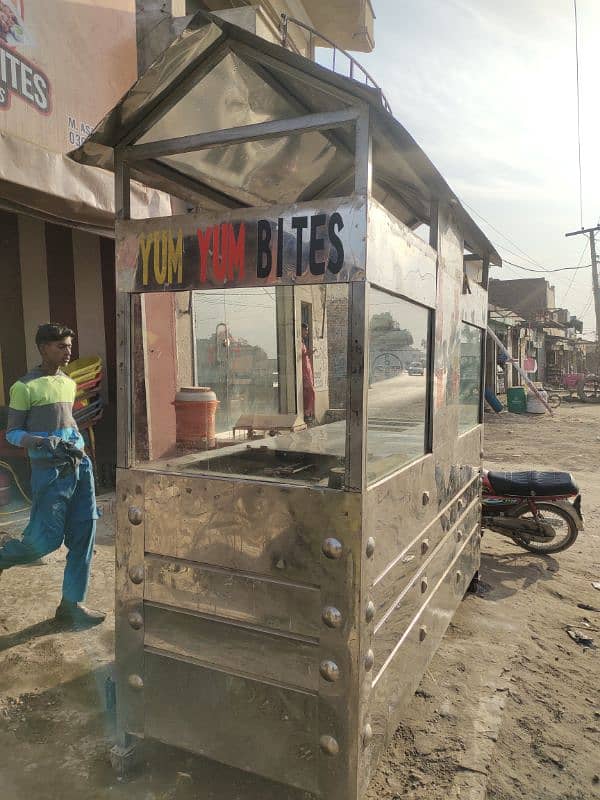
51 332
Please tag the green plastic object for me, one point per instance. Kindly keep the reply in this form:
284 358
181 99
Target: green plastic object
516 400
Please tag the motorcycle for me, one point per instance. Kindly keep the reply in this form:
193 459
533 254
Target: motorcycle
534 509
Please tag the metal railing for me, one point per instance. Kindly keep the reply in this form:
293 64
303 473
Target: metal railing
355 70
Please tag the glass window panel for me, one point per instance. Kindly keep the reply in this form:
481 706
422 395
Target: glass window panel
470 377
273 398
398 379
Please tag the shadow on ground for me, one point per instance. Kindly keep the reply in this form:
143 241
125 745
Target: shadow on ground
508 573
60 742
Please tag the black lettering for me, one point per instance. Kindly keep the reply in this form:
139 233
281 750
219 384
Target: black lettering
264 259
299 224
336 221
317 244
280 247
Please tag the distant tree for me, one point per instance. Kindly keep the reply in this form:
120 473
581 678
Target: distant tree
386 329
383 322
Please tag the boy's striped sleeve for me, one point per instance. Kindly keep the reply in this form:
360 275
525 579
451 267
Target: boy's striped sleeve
17 414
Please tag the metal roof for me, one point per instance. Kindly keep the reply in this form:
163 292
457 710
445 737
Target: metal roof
217 76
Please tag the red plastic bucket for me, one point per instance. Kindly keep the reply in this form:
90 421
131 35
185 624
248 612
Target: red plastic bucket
195 411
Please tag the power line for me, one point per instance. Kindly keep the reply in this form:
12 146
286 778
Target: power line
586 309
543 271
575 273
504 236
578 113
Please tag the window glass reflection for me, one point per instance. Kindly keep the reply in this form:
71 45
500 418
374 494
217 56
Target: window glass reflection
245 382
236 353
398 380
470 377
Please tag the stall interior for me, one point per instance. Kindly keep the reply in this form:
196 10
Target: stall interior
253 382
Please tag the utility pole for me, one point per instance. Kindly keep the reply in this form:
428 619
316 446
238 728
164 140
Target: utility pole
596 287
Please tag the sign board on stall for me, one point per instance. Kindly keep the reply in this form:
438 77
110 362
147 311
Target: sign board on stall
301 244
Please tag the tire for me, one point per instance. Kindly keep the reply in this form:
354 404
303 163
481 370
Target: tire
564 539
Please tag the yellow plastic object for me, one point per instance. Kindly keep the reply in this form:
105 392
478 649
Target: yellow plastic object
84 369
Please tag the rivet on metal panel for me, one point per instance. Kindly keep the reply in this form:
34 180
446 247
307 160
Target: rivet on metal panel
424 546
424 585
425 498
422 633
370 547
135 515
367 734
369 660
136 574
332 617
136 620
332 548
135 681
459 535
370 611
329 671
329 745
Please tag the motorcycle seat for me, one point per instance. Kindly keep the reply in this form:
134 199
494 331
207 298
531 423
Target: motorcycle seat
533 483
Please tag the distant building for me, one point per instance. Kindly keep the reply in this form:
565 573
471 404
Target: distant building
526 296
523 314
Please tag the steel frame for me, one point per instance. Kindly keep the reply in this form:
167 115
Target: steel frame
143 157
243 134
358 535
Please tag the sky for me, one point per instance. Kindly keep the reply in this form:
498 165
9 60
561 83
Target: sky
488 90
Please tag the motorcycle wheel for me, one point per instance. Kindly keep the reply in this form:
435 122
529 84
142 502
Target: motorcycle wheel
563 524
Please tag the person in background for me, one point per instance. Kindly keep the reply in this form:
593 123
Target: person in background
308 381
40 418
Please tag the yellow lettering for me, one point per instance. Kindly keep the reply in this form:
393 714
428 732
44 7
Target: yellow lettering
175 259
159 273
156 241
145 247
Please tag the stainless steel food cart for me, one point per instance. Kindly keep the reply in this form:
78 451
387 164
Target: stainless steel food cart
280 595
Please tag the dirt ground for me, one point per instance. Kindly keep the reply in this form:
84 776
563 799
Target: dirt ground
509 708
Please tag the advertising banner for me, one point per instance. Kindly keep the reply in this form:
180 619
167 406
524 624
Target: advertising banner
63 65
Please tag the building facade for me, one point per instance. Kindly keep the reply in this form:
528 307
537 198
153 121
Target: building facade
544 340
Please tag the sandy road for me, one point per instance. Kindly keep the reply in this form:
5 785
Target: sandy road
510 707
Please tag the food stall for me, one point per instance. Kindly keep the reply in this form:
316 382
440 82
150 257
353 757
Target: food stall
283 578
